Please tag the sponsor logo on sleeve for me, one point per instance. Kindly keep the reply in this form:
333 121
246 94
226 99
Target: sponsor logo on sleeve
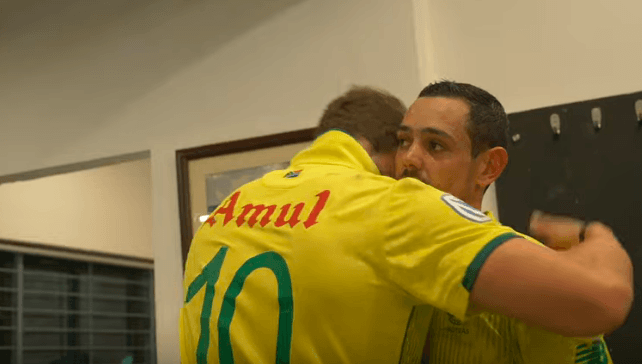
464 210
594 353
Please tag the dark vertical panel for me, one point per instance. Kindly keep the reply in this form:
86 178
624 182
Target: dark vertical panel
538 175
609 164
585 173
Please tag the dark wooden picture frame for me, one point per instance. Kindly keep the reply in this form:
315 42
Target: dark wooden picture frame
184 156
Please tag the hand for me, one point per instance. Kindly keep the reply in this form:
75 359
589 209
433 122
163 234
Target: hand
598 230
556 232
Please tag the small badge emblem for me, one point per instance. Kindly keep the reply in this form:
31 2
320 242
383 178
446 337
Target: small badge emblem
465 210
293 174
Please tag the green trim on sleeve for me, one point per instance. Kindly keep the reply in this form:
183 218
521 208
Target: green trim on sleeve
480 259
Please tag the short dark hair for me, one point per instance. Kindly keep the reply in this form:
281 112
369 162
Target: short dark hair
366 112
487 121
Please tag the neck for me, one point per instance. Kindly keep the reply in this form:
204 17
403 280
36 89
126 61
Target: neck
475 201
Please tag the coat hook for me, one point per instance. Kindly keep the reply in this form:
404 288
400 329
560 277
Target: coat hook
556 124
596 115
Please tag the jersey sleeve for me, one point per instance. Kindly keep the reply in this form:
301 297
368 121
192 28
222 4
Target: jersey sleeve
433 245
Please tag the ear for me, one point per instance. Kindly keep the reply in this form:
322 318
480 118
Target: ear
493 162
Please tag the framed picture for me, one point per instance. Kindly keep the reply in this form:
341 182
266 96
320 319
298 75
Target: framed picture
208 174
222 184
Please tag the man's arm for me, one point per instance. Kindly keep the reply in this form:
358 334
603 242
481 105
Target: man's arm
584 291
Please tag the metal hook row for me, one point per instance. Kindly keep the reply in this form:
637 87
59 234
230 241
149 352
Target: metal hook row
596 117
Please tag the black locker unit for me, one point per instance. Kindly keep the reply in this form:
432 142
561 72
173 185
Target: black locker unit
586 172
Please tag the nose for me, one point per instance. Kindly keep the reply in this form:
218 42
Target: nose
411 158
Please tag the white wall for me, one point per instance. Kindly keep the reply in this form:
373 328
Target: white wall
276 77
532 54
105 209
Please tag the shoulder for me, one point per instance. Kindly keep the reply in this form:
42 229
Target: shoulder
353 181
418 199
412 194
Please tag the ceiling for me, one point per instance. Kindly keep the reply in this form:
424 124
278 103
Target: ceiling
84 59
19 16
35 34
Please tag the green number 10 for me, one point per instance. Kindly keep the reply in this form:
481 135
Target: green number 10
208 278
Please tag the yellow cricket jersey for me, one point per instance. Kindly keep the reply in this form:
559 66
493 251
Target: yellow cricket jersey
482 339
538 346
495 339
329 262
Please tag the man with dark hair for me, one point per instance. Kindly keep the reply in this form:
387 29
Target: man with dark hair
454 138
486 130
328 261
487 124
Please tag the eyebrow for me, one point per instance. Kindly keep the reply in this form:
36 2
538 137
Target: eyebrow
427 130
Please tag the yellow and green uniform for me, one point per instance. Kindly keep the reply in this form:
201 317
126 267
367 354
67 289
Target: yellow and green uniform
329 262
489 338
538 346
482 339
